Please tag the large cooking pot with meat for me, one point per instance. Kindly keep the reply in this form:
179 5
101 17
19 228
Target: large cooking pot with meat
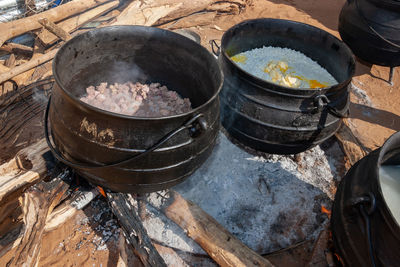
278 119
127 153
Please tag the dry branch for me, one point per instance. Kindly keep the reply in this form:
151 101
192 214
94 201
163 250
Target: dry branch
73 23
221 245
189 7
18 49
134 230
197 19
54 29
27 66
138 13
17 27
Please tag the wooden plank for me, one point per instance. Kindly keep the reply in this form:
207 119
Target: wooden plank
221 245
71 24
17 27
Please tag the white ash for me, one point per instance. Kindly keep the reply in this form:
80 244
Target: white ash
361 95
267 203
257 59
136 99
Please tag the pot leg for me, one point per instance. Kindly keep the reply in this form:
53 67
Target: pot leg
391 74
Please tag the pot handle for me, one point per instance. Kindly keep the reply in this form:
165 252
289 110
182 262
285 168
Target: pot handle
196 125
322 101
366 205
216 49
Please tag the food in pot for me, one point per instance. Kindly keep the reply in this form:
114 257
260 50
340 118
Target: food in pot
389 179
285 67
136 99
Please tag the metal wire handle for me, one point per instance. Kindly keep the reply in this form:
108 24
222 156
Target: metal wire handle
214 44
322 101
366 205
190 124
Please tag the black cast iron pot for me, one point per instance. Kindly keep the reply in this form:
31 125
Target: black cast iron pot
127 153
371 28
365 233
277 119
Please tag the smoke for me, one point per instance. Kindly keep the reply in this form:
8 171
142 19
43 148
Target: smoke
122 72
39 95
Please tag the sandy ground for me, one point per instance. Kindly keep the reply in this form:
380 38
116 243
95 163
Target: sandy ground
374 116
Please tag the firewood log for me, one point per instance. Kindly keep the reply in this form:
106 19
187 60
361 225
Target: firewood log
134 230
138 13
219 244
54 29
38 202
17 27
25 169
73 23
18 49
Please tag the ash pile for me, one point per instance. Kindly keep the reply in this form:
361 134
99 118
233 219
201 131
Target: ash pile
269 202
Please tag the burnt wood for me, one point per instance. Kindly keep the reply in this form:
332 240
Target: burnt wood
134 230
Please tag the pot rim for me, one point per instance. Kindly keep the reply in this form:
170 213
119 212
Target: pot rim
142 29
381 158
267 84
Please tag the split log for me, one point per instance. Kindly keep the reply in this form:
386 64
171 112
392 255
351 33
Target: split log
169 253
25 169
189 7
17 49
23 77
17 27
71 24
54 29
138 13
221 245
27 66
70 208
10 61
134 230
38 202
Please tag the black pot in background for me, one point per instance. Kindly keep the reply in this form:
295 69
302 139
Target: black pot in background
371 28
359 210
108 148
276 119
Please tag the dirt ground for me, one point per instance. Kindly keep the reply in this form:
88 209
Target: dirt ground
374 116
